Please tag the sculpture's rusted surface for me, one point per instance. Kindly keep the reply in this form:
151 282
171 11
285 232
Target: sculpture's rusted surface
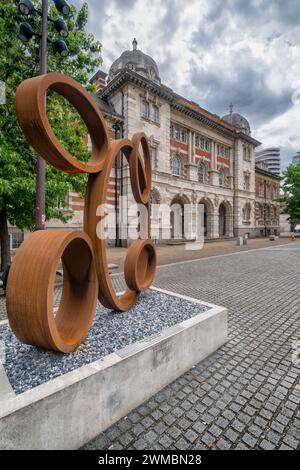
32 276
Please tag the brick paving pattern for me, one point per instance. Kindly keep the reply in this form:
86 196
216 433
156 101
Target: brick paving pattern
247 394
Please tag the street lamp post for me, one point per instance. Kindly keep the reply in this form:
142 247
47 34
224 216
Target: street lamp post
26 32
117 129
40 206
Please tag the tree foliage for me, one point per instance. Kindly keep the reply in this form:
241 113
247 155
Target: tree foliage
291 189
17 159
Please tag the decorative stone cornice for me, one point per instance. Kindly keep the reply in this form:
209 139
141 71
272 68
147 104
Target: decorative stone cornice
173 98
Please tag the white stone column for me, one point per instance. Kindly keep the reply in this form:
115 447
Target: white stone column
214 174
191 166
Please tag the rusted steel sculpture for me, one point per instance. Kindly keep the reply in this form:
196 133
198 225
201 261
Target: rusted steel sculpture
31 280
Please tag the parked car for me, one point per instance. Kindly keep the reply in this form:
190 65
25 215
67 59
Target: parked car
297 230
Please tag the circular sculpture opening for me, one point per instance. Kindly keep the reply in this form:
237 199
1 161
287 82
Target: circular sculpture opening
140 265
30 101
34 267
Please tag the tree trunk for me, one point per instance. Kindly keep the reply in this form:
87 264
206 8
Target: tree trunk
4 241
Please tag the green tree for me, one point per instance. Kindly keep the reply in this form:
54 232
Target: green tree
17 159
291 189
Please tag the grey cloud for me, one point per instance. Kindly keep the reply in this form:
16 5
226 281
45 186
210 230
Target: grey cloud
171 19
286 154
246 86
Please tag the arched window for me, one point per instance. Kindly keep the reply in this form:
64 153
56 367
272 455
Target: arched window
201 173
176 166
221 178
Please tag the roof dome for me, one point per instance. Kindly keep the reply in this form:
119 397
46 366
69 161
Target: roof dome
237 120
135 60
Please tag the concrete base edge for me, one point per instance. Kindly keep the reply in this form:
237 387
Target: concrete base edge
69 411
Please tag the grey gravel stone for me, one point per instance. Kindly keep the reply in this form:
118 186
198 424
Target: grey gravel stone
29 366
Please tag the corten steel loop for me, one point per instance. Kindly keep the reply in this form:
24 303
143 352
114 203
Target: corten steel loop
140 262
32 276
140 175
31 111
31 283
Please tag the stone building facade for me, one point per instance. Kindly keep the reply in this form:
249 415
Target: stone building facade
197 157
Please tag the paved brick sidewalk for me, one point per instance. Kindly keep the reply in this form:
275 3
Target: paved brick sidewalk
247 394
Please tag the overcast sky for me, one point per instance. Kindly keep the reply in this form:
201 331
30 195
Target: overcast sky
215 52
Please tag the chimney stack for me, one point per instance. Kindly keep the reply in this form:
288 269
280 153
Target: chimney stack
99 79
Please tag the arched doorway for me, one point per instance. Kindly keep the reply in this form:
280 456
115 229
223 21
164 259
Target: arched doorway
177 220
222 220
207 217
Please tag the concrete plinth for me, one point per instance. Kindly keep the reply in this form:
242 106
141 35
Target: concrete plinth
70 410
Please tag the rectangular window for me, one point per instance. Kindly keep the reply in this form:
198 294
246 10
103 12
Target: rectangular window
207 145
172 132
246 182
89 143
177 133
261 188
197 141
202 143
16 239
153 154
155 113
183 136
145 109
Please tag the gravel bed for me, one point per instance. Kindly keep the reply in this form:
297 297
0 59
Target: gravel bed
29 366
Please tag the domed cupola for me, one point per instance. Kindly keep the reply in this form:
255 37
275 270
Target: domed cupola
237 120
137 61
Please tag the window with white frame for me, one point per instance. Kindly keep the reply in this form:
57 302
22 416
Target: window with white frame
176 165
153 155
201 173
247 212
246 153
89 143
261 188
246 182
179 134
221 177
155 113
145 109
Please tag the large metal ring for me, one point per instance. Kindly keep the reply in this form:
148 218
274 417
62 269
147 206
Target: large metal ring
140 173
140 262
32 116
31 285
